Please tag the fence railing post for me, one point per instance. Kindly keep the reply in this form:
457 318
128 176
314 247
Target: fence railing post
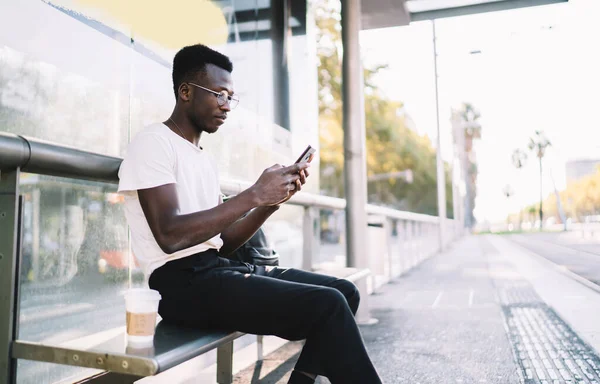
310 237
391 229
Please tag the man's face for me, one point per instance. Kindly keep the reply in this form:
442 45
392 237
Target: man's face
206 113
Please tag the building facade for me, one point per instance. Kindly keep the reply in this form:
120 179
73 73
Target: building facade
577 169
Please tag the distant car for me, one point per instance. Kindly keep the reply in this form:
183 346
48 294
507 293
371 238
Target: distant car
330 236
113 249
114 265
111 259
592 219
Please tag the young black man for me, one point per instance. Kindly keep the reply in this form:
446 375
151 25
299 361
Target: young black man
182 232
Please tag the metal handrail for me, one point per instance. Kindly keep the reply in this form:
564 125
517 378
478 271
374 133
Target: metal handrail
233 187
47 158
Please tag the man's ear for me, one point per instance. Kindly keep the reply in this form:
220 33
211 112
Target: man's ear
184 92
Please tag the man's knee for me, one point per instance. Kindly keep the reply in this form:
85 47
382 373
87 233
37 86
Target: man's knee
345 293
351 293
330 297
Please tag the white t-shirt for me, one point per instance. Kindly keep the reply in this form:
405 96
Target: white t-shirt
158 156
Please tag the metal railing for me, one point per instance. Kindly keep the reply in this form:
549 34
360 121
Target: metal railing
41 157
398 240
45 158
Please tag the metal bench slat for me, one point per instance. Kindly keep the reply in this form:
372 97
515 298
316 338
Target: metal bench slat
98 359
173 345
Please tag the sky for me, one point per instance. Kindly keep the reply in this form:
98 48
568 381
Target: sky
535 69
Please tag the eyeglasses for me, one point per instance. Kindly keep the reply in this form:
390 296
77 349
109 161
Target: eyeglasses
222 97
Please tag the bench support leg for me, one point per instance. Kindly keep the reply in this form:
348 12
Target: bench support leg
9 270
363 315
225 363
259 348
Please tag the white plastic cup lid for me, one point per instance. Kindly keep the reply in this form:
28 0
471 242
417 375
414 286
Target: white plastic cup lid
142 294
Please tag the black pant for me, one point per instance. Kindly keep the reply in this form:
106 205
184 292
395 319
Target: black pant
208 291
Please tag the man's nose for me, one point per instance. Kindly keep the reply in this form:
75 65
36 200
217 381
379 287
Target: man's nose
225 107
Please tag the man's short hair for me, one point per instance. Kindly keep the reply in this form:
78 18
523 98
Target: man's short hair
191 60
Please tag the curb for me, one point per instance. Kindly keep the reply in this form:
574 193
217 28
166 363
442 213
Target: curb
565 271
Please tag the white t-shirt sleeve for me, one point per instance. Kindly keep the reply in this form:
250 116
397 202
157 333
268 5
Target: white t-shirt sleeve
150 162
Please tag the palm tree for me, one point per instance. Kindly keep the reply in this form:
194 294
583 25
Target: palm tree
470 117
508 192
519 158
538 144
468 129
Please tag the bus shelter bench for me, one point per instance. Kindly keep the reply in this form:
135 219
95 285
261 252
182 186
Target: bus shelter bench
173 345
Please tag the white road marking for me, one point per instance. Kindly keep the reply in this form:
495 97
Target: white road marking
437 299
54 311
92 340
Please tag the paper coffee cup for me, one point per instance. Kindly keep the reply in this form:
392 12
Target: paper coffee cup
141 305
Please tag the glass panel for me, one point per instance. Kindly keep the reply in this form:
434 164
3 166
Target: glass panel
91 76
432 5
250 141
30 371
67 83
75 264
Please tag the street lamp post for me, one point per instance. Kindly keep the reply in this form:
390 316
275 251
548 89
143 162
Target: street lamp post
441 177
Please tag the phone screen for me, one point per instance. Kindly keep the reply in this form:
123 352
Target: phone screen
305 156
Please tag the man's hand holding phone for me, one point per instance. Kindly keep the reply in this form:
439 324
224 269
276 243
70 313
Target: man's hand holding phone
306 156
278 184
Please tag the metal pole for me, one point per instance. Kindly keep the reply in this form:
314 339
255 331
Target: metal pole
35 229
468 214
280 31
355 158
310 239
355 172
9 224
541 199
441 176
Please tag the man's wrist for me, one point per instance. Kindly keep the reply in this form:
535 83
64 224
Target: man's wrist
253 196
267 209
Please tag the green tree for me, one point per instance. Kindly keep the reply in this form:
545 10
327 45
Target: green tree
392 146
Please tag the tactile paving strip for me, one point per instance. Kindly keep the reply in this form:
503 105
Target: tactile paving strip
519 293
546 348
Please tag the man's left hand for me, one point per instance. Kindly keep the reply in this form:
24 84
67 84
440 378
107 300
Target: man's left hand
298 185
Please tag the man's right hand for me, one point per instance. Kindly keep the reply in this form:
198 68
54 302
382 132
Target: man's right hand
277 182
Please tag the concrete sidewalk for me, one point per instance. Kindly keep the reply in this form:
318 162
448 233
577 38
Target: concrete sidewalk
442 322
474 314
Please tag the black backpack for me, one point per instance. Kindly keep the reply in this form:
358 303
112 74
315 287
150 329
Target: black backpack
257 251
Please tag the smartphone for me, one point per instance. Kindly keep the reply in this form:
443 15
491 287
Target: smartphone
305 156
